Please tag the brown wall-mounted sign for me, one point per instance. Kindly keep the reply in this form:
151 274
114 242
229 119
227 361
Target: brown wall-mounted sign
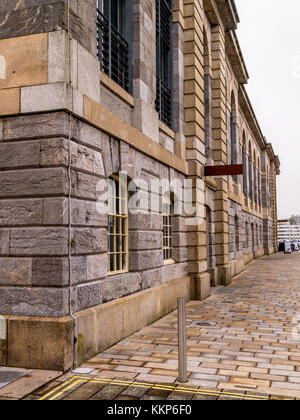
223 170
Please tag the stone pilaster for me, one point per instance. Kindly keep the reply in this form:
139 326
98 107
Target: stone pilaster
220 152
195 143
145 118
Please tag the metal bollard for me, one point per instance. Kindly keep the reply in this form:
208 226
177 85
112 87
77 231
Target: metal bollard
182 353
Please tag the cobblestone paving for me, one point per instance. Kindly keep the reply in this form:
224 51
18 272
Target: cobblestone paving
240 340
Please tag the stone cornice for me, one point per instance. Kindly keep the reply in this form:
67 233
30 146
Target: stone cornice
228 12
248 111
234 53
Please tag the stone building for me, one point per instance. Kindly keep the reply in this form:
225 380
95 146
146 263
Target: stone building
91 91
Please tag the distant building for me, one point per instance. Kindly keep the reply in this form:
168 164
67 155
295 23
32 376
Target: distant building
288 231
295 219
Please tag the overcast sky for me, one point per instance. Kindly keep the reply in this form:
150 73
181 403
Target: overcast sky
269 34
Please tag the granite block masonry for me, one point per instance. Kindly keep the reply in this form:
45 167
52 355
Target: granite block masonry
67 125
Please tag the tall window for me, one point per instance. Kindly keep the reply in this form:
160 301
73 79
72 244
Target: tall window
245 186
164 60
255 179
168 207
250 174
247 235
117 226
114 23
237 233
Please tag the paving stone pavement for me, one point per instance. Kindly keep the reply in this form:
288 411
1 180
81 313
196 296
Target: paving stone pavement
242 342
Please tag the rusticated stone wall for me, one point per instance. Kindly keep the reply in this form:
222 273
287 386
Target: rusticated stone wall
51 265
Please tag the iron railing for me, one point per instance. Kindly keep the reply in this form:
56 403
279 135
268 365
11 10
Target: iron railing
113 52
163 102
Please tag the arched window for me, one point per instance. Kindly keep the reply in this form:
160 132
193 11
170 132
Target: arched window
168 211
245 186
209 238
259 184
117 226
247 235
255 178
237 233
233 132
250 173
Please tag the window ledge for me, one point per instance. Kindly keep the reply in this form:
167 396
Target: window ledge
169 262
116 89
165 129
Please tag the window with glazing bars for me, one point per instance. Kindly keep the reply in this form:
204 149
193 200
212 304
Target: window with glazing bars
164 60
117 226
114 21
168 230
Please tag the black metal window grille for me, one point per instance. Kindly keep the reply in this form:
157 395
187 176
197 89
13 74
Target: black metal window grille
163 102
113 40
245 187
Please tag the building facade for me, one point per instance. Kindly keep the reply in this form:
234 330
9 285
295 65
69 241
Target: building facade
99 100
288 232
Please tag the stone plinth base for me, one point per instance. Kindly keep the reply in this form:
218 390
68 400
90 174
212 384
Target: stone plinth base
48 343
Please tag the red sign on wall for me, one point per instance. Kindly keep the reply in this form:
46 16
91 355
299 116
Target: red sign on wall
223 170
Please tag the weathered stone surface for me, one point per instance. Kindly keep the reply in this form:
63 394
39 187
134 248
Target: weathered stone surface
86 159
89 241
115 287
180 254
91 136
116 105
10 101
85 185
151 278
33 182
78 270
55 124
173 271
145 221
4 241
34 301
96 267
141 240
20 212
31 17
58 57
39 241
37 343
88 213
144 260
26 60
56 211
88 74
86 296
13 156
15 271
54 152
46 97
50 272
